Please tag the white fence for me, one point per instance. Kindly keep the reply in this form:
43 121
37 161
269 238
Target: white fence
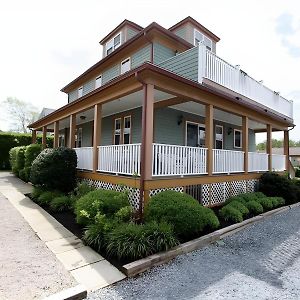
278 162
120 159
257 162
228 161
84 158
171 160
218 70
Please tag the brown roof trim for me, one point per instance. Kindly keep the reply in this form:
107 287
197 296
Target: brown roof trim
196 23
118 50
114 31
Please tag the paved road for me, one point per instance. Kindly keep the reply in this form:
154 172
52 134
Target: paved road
261 262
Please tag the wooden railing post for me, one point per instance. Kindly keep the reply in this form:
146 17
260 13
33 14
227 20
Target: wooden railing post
72 131
209 132
269 146
245 142
97 135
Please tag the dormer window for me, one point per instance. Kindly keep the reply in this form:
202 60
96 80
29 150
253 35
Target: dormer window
80 92
113 44
98 81
201 38
125 65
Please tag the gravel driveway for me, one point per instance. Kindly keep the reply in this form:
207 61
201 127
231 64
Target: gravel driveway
260 262
28 269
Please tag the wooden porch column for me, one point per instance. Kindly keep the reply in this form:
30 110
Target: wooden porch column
97 134
269 146
245 142
33 133
44 141
56 134
286 149
209 136
72 131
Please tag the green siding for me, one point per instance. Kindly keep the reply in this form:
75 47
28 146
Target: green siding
181 32
184 64
141 56
87 134
72 96
161 53
131 33
88 86
111 73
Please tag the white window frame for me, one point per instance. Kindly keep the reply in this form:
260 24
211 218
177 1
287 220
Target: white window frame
194 123
241 135
125 117
120 133
123 70
97 78
220 126
196 44
111 44
78 93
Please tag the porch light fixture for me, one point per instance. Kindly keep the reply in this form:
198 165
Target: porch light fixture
179 120
82 117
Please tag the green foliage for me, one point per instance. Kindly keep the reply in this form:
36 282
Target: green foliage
277 201
297 172
266 203
13 159
104 201
124 214
55 169
230 214
10 140
132 241
46 197
277 144
240 207
36 192
17 159
238 198
61 203
22 175
188 217
254 207
81 189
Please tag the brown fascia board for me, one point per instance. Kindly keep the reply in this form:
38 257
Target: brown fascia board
196 23
114 31
153 25
159 70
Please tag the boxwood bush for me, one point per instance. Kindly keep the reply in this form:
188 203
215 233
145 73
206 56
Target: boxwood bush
188 217
254 207
230 214
240 207
55 169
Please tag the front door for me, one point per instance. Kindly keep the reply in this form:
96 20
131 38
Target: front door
195 134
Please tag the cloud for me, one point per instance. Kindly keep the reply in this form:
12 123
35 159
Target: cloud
285 24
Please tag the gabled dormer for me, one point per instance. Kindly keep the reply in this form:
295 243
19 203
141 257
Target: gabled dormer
121 34
193 32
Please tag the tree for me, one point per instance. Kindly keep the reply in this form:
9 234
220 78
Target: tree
20 114
277 144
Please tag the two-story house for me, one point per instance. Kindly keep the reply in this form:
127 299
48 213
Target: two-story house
162 105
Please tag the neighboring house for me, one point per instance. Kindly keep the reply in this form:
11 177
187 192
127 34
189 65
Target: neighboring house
45 111
162 105
294 153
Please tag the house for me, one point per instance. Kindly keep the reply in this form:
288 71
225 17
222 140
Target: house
45 111
161 110
294 153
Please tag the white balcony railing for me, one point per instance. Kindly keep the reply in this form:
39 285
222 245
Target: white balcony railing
257 162
84 158
228 161
278 162
120 159
170 160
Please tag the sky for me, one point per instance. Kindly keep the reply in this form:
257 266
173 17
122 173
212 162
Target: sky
46 44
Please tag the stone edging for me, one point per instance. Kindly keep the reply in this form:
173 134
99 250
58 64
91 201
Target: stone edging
77 292
157 259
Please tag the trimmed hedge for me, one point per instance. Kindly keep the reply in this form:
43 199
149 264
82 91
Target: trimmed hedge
9 140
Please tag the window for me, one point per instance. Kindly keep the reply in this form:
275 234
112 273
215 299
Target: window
117 132
219 137
125 65
127 130
61 140
237 138
80 92
113 44
195 134
201 38
78 137
98 82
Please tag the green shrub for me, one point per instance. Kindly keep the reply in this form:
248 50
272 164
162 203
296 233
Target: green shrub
132 241
22 175
46 197
266 203
277 201
240 207
13 159
55 169
259 195
20 159
238 198
31 152
254 207
188 217
230 214
80 190
249 196
36 192
61 203
104 201
297 172
124 214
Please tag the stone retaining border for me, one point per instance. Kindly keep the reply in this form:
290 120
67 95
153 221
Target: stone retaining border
142 265
78 292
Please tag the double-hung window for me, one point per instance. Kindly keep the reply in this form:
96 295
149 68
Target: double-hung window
122 130
127 130
113 44
201 38
237 138
125 65
80 90
219 137
117 131
98 81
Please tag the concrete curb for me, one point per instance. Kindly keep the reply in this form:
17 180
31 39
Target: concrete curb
77 292
142 265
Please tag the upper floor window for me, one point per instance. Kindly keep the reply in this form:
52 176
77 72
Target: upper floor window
98 82
113 44
125 65
201 38
219 137
237 138
80 90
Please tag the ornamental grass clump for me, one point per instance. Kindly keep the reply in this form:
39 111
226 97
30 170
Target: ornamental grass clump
46 197
61 203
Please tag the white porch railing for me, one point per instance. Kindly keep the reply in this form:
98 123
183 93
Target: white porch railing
228 161
278 162
120 159
171 160
84 158
257 162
